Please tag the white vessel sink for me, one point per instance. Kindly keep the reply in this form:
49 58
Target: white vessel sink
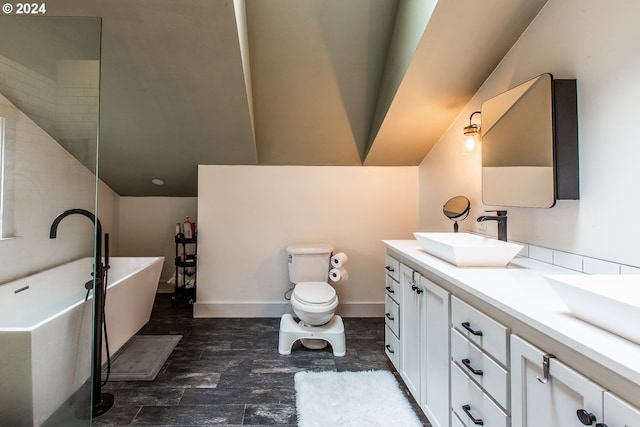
468 250
611 302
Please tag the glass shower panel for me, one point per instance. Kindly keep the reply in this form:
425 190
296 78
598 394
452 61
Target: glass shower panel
49 99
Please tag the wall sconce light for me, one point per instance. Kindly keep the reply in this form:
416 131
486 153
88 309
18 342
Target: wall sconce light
471 135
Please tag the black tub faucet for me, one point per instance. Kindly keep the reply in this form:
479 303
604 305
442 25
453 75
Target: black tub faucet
97 260
101 402
501 218
54 226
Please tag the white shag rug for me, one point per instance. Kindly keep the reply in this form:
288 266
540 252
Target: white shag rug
352 399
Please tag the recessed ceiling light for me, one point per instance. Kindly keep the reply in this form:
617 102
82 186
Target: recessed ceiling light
157 181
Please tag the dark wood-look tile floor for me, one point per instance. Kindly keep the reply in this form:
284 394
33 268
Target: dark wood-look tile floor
228 372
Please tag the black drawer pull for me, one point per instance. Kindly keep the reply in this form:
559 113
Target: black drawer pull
390 269
389 316
467 326
389 349
476 421
416 289
391 291
587 418
467 363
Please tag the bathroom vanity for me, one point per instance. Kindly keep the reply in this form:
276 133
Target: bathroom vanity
498 347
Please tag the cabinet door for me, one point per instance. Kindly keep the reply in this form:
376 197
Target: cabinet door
618 413
435 380
410 329
554 403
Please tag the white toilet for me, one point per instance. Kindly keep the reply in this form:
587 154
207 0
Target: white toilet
314 301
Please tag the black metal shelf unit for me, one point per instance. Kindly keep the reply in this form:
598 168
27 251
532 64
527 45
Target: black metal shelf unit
186 267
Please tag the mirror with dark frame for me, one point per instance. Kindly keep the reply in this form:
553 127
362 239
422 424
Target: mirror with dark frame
457 209
517 146
530 144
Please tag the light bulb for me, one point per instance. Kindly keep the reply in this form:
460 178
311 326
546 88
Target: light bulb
470 144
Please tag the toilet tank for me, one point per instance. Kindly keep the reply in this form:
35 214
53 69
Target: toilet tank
309 263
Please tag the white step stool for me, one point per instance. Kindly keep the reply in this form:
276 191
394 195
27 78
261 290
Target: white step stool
332 332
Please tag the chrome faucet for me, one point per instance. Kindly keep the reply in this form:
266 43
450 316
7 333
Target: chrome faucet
501 219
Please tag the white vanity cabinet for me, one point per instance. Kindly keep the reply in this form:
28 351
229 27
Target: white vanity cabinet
392 310
425 344
479 367
547 392
494 376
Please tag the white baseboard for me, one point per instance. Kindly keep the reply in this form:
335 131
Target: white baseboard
214 309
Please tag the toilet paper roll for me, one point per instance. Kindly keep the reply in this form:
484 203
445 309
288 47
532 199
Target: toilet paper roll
339 259
337 274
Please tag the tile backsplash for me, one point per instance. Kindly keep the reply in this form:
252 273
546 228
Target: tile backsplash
581 263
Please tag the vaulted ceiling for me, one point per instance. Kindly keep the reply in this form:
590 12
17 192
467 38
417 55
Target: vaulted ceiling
284 82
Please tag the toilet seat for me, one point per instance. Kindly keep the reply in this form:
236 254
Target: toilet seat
314 294
314 302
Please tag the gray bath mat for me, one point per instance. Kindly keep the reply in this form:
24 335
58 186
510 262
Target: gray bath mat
142 357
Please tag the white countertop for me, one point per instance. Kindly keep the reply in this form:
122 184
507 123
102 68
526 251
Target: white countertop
521 291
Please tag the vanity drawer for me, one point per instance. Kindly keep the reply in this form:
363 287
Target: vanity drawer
471 405
392 314
392 287
392 347
480 329
493 378
392 267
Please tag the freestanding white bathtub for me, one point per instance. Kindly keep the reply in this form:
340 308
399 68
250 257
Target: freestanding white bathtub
46 331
